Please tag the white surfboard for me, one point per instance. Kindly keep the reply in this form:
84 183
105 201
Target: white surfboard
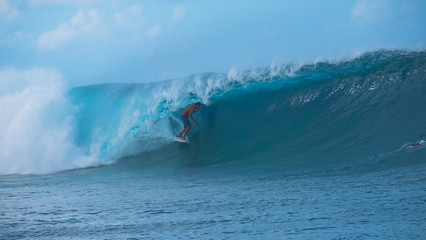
178 139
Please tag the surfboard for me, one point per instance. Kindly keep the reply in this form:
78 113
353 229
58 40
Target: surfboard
178 139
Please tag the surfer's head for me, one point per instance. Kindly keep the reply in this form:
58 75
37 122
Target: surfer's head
197 106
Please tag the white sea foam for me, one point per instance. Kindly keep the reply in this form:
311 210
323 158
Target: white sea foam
36 124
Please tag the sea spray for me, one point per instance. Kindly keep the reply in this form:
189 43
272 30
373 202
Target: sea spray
37 124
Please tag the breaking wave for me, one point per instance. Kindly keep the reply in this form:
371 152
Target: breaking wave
327 111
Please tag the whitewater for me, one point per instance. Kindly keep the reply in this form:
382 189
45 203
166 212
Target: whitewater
328 150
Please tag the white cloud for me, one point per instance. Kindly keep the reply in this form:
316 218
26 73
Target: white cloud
154 31
7 12
369 10
127 24
178 13
67 2
15 38
130 17
83 24
41 2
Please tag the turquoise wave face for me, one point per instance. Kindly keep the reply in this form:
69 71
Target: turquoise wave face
369 105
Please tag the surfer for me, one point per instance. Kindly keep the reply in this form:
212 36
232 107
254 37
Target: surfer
413 146
187 113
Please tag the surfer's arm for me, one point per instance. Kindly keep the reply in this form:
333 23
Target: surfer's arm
190 116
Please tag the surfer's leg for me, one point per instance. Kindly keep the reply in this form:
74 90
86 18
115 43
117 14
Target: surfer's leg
185 133
186 126
180 134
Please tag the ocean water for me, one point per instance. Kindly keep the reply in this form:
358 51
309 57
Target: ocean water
328 150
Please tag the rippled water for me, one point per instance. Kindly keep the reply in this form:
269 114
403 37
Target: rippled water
119 202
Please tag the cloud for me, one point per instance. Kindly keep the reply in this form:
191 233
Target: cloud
67 2
127 24
154 31
41 2
369 10
131 17
83 24
7 12
15 38
178 13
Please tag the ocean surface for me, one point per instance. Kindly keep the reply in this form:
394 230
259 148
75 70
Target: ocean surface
325 150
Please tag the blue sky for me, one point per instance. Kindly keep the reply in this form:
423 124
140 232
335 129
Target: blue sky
99 41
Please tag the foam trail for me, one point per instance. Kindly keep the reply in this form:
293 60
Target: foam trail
36 124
